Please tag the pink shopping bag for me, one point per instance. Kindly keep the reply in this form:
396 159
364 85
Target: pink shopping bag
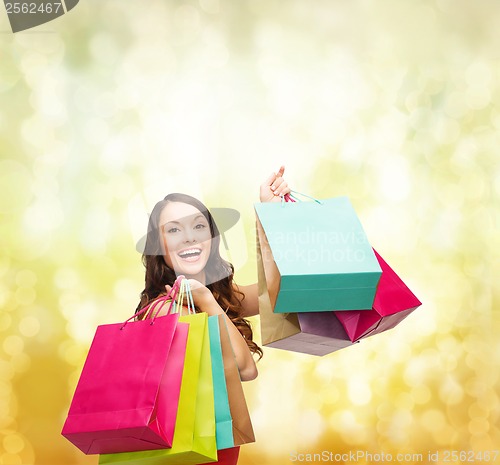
393 303
128 392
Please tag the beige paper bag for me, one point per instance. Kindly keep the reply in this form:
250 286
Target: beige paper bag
242 425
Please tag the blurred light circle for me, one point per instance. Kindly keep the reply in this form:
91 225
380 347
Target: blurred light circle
25 295
11 459
421 394
29 326
447 131
13 345
405 401
359 391
13 443
21 362
26 278
17 449
479 74
455 105
66 278
450 391
477 98
479 426
433 420
43 216
315 426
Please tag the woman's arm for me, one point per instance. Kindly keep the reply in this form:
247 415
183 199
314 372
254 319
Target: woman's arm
206 302
271 190
246 364
250 303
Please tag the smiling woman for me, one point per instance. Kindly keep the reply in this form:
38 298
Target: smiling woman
183 239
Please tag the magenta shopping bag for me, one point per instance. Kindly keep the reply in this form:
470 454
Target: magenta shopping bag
128 392
393 303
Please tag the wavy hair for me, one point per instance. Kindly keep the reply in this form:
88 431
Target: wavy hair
218 272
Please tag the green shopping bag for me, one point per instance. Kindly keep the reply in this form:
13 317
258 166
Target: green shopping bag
194 437
223 420
319 258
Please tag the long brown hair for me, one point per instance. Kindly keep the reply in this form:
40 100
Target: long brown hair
218 272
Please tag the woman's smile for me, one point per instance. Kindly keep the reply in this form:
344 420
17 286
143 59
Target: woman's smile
190 255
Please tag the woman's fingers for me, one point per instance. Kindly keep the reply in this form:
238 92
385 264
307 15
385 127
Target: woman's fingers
278 180
283 189
274 186
269 181
168 289
280 187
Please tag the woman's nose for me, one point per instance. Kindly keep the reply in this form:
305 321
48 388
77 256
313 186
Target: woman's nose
189 236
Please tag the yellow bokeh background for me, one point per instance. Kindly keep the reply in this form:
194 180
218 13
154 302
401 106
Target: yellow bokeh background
393 103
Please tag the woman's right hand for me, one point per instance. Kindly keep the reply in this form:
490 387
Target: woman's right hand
274 187
202 297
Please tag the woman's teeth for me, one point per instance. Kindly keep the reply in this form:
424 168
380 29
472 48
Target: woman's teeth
190 253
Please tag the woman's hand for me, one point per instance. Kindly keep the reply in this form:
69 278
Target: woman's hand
205 301
202 297
274 187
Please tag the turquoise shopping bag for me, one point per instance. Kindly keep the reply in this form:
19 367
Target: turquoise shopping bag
319 258
223 420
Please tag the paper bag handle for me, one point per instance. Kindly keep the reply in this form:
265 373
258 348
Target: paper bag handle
292 197
184 292
150 308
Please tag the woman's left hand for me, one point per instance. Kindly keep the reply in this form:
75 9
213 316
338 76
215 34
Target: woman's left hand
274 187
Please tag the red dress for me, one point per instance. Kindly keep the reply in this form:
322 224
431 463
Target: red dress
227 456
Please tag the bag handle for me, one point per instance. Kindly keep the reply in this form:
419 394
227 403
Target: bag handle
292 197
149 309
183 292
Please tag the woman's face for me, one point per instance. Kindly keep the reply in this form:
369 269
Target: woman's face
186 239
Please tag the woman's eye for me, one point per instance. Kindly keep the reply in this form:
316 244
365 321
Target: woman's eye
173 230
200 226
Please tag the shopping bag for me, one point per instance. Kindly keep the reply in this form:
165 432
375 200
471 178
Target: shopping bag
233 424
128 392
318 257
315 333
194 437
393 303
242 425
223 420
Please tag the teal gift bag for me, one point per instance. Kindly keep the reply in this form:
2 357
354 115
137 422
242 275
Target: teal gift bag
223 420
318 257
